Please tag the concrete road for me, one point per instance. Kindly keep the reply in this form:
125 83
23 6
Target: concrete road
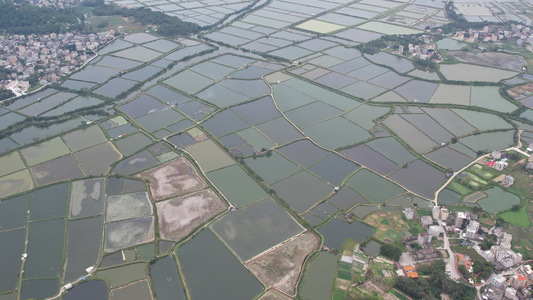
451 270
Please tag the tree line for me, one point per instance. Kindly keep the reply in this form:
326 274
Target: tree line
27 19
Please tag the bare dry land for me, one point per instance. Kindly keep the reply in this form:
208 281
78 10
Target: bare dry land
273 295
491 59
173 178
180 216
280 268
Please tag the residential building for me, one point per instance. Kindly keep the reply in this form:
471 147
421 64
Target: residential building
409 213
473 225
444 213
410 271
424 238
507 181
497 154
488 255
519 281
436 212
426 221
507 237
435 230
510 293
500 165
470 233
459 220
498 280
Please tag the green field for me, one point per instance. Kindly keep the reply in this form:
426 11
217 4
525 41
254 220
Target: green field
349 245
520 218
398 295
105 23
344 274
392 235
379 267
459 188
483 171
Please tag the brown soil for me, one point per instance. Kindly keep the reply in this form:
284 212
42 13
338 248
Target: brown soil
274 295
173 178
180 216
281 268
491 59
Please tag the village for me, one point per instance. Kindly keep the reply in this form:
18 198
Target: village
28 60
512 276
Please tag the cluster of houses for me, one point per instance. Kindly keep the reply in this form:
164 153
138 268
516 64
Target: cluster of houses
511 287
501 254
55 3
498 161
49 55
522 34
467 226
424 50
424 249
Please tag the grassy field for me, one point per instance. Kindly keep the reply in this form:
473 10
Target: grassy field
348 246
392 235
484 172
105 23
338 295
523 184
459 188
398 295
457 208
379 267
468 251
522 240
520 218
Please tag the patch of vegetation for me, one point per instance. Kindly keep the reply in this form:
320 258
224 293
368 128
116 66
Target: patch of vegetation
522 184
425 64
112 22
518 217
28 19
464 272
398 295
167 25
489 241
392 235
374 46
377 45
348 246
460 189
468 251
482 269
5 93
390 251
484 172
433 286
415 227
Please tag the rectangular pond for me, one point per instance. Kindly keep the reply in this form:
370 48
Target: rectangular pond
256 228
226 277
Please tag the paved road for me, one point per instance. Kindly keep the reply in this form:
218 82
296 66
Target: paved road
450 262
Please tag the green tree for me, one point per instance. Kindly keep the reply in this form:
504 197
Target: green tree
483 269
464 272
5 93
391 251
